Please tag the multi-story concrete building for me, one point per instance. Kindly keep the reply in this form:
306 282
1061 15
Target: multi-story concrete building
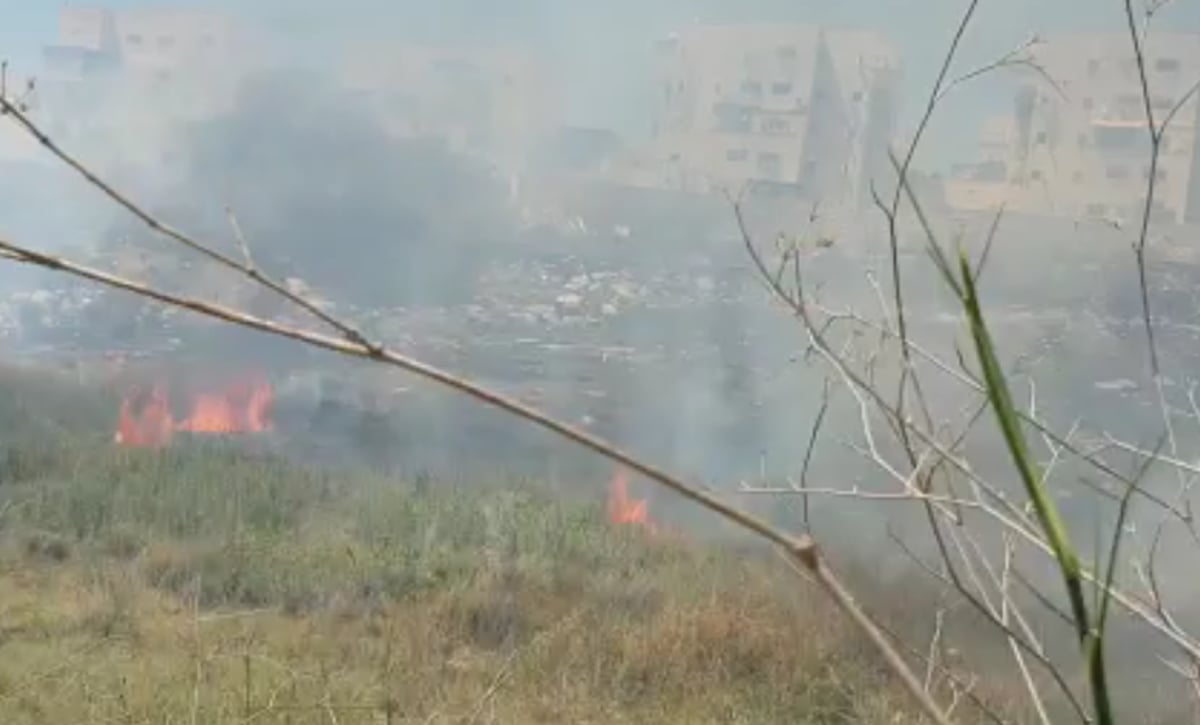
494 101
148 43
1080 146
983 184
133 74
792 108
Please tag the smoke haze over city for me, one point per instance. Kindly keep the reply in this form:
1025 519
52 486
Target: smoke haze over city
561 200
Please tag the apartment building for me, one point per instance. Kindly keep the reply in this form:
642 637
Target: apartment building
124 79
152 42
497 101
983 184
175 60
793 109
1080 146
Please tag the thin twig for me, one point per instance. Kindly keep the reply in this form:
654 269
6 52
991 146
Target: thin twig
812 444
1032 649
240 238
1139 246
1018 656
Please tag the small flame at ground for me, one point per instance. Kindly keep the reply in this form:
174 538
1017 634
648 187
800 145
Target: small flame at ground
622 509
145 419
241 408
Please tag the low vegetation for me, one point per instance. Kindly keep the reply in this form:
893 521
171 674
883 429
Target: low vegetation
204 584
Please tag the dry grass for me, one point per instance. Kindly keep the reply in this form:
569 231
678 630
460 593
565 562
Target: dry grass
91 642
203 586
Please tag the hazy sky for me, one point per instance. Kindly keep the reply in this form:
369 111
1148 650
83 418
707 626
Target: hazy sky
602 45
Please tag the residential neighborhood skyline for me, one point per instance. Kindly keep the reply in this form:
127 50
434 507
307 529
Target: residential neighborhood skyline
602 45
804 109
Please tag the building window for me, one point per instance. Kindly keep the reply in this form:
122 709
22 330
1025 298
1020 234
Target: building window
782 88
776 125
737 155
787 51
1162 103
752 88
1166 65
1117 137
1036 174
1116 172
856 96
769 165
1130 103
1159 210
1041 137
166 41
1078 177
989 171
732 118
133 39
1093 67
1088 103
1160 175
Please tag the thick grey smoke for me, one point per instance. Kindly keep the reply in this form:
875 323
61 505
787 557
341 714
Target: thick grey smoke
654 316
632 311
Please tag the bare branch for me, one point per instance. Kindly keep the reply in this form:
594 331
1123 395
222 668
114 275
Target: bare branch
1030 686
812 444
854 492
1033 650
801 310
1017 57
986 708
935 647
987 246
930 106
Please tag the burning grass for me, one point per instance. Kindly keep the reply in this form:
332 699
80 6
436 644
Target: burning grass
146 418
191 584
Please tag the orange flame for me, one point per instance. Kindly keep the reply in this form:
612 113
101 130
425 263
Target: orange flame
241 408
622 509
146 421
